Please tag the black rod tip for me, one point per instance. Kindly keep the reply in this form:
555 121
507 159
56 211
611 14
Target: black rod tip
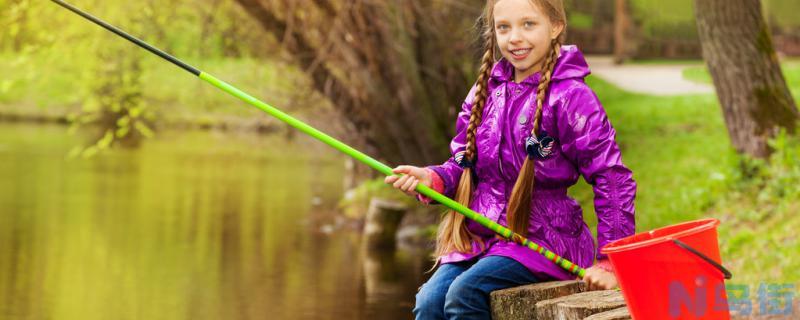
129 37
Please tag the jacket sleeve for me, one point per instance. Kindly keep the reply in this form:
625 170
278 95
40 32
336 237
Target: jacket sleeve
436 185
449 171
588 140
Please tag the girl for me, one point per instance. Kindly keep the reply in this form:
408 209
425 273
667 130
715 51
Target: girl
528 128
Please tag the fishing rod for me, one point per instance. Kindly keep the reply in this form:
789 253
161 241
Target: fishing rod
338 145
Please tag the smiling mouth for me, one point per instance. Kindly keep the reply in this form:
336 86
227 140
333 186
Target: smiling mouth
520 53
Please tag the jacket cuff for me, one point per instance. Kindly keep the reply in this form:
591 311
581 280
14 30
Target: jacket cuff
436 184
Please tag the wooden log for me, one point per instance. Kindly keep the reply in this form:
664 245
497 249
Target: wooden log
616 314
580 305
383 219
520 302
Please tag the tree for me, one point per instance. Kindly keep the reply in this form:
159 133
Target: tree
115 112
752 91
623 33
15 27
397 70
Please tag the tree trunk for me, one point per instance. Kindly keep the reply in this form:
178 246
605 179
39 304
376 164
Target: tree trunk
394 69
622 24
737 47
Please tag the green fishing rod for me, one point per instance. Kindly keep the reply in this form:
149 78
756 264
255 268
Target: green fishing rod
338 145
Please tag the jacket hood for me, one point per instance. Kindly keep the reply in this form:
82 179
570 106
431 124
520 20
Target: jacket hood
571 64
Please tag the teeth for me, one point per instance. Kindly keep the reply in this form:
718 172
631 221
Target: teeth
520 51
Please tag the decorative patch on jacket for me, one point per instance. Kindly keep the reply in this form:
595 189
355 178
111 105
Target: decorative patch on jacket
462 162
540 147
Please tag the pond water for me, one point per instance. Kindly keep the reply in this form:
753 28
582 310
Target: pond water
190 225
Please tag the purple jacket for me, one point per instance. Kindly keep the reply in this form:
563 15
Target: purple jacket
585 145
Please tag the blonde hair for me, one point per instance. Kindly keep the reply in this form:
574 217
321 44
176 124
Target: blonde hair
452 234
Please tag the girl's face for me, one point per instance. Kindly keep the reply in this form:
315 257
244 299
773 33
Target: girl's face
524 33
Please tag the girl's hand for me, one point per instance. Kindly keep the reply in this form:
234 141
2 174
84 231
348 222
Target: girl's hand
408 182
598 279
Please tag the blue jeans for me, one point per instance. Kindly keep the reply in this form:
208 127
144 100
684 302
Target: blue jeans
461 290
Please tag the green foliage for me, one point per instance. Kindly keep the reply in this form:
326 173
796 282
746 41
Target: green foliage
783 12
114 106
664 12
676 18
14 18
55 62
581 21
775 179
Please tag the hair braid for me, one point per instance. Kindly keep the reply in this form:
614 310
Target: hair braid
452 233
519 204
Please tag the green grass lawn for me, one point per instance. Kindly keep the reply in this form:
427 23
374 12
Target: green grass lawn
682 159
760 219
677 148
790 67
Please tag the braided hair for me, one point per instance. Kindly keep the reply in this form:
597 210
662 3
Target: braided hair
453 234
519 204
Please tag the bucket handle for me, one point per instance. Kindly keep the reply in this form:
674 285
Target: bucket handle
719 267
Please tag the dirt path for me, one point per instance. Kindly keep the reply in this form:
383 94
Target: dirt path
660 80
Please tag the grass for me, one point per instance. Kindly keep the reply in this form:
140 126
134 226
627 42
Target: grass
758 234
697 74
677 148
759 217
790 68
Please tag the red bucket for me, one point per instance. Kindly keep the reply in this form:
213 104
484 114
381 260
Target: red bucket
672 272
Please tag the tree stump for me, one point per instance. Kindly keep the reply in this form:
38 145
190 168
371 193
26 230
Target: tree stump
616 314
580 305
520 302
383 219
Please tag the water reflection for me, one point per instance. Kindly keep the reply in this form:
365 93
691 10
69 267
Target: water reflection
192 225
